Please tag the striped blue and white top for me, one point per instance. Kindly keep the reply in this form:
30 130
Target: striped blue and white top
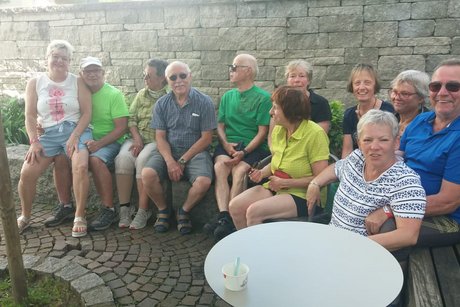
399 187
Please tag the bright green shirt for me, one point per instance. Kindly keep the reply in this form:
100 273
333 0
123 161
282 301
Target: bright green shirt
294 156
108 104
141 110
243 113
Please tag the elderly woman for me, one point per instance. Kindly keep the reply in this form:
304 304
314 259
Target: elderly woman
431 146
409 94
135 151
300 73
364 84
300 151
61 103
372 177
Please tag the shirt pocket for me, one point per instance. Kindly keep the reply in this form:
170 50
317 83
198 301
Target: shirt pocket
194 122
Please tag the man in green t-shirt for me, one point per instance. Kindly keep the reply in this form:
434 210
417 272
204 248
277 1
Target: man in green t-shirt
242 129
109 122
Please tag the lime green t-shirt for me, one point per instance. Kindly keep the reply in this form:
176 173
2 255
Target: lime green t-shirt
308 144
108 104
243 113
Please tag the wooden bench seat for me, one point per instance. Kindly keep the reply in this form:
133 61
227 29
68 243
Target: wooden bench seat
434 277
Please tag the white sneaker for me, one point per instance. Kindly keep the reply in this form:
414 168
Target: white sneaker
141 218
125 216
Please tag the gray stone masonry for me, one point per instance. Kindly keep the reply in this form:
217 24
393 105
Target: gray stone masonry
207 34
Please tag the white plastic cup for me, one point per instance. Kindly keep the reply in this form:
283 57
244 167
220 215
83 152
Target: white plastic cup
236 282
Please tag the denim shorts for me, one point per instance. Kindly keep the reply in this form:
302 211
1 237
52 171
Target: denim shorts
199 165
55 138
107 153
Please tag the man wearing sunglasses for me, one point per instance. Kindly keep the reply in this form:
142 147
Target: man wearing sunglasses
184 121
431 146
242 129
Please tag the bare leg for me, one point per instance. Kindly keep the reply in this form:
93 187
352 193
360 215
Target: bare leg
222 187
124 187
103 180
196 192
278 206
153 188
80 180
143 197
62 174
238 174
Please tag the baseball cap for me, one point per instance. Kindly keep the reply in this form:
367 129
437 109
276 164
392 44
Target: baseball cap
85 62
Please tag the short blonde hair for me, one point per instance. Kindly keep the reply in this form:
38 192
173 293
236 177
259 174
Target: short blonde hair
60 44
306 66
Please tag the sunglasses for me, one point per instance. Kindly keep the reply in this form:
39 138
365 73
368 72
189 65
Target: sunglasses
233 67
146 76
451 86
181 75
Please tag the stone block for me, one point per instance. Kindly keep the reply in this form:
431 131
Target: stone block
361 55
201 32
310 53
319 77
453 9
433 60
387 12
339 72
223 15
206 43
456 46
30 261
3 264
395 50
281 9
60 23
17 31
327 60
322 3
214 72
390 66
380 34
111 28
137 41
92 17
143 26
262 22
303 25
215 57
50 265
423 41
447 27
345 39
251 10
126 15
352 2
86 282
71 271
337 10
101 296
177 43
271 38
268 54
341 23
124 55
237 38
417 28
432 49
188 54
151 14
182 17
307 41
266 73
170 32
429 10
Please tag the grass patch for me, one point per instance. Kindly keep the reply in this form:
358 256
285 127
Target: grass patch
44 290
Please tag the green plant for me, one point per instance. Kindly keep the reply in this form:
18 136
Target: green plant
335 133
12 112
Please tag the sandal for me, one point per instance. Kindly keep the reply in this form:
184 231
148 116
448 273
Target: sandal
80 227
184 224
162 223
23 223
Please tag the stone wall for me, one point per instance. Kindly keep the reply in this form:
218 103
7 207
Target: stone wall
333 34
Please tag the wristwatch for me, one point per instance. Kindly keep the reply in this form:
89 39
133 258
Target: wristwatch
182 161
388 211
245 152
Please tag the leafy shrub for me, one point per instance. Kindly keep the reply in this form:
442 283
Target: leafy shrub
12 111
335 133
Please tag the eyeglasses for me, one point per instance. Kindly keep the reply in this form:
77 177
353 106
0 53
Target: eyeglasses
181 75
233 67
403 95
145 75
451 86
91 71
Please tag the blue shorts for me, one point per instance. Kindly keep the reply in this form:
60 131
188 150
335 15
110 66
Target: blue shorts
199 165
107 153
55 138
251 158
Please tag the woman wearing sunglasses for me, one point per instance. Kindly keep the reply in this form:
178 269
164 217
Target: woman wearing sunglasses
431 147
409 95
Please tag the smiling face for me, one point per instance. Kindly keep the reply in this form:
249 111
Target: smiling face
93 76
405 98
446 104
378 145
363 86
179 86
59 60
298 77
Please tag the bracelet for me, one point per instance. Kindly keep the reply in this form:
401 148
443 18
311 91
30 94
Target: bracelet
388 211
34 140
314 183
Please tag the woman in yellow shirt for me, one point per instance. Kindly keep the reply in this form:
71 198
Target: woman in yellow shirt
300 150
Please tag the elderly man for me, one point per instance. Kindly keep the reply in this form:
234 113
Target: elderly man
136 150
109 120
242 130
184 121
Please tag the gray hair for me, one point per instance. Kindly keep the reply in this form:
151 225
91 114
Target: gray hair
448 62
419 80
306 66
250 61
60 44
177 63
378 117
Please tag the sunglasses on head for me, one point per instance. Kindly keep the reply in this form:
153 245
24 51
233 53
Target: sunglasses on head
451 86
181 75
233 67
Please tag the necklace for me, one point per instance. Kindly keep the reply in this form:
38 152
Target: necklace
358 110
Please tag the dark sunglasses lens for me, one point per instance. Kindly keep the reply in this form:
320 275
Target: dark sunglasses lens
183 76
232 67
173 77
453 86
435 86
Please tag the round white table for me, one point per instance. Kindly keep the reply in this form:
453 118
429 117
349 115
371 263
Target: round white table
305 264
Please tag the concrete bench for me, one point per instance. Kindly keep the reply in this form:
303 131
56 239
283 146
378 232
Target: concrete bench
434 277
46 192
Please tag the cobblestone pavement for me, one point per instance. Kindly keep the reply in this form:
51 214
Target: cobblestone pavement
140 267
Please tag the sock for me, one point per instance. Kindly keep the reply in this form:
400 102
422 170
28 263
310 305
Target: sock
110 208
224 214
